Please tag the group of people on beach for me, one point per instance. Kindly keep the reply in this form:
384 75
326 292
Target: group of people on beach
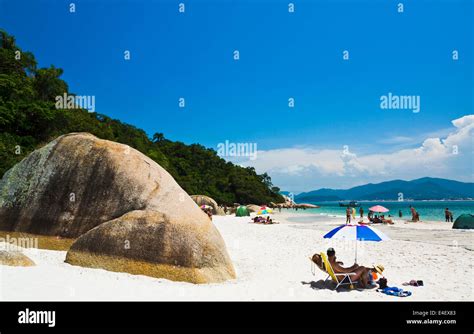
263 220
415 216
375 219
379 219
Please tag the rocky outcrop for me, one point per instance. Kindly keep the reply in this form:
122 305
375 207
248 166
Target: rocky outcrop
206 200
253 207
78 182
150 243
15 258
306 206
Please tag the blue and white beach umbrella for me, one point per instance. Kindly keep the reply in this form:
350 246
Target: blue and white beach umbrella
356 233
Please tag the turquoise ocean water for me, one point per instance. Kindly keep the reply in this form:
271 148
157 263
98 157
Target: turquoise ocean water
428 210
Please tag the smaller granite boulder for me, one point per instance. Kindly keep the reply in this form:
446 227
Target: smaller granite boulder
15 259
153 244
206 200
253 208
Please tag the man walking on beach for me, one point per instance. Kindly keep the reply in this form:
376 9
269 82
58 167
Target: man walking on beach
361 211
348 215
446 215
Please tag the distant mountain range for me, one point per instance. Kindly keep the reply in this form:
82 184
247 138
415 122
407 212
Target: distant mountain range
426 188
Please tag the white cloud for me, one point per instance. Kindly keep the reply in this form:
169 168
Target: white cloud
302 169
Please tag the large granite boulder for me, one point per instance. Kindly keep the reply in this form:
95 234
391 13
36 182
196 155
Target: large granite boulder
78 182
206 200
150 243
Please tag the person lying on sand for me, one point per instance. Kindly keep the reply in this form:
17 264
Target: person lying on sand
386 221
361 273
262 220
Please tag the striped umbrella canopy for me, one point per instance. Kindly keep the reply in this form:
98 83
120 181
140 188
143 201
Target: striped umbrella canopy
379 208
264 211
356 232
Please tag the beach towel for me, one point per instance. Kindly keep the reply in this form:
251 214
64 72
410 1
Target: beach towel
394 291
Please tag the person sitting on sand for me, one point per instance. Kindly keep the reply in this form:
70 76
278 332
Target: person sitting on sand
331 253
360 272
375 273
385 221
369 216
376 220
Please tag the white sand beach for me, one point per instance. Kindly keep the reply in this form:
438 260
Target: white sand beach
272 263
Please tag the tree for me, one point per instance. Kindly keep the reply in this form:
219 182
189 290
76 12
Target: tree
7 41
158 137
29 119
47 83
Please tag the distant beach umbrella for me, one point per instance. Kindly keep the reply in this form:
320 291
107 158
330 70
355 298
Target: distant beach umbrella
265 212
379 208
356 233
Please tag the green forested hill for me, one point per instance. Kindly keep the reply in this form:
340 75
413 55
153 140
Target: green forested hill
29 119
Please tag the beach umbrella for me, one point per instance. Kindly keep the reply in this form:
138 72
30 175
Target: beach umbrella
356 232
265 211
379 208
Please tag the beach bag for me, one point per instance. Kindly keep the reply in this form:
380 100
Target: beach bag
382 283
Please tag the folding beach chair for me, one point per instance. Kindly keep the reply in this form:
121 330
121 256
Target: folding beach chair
340 279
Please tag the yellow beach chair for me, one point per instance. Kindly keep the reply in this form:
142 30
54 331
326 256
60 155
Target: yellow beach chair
340 279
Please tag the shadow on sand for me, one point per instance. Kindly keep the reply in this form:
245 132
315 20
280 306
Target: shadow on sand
329 285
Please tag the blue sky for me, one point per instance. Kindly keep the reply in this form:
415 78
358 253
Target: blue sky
282 55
